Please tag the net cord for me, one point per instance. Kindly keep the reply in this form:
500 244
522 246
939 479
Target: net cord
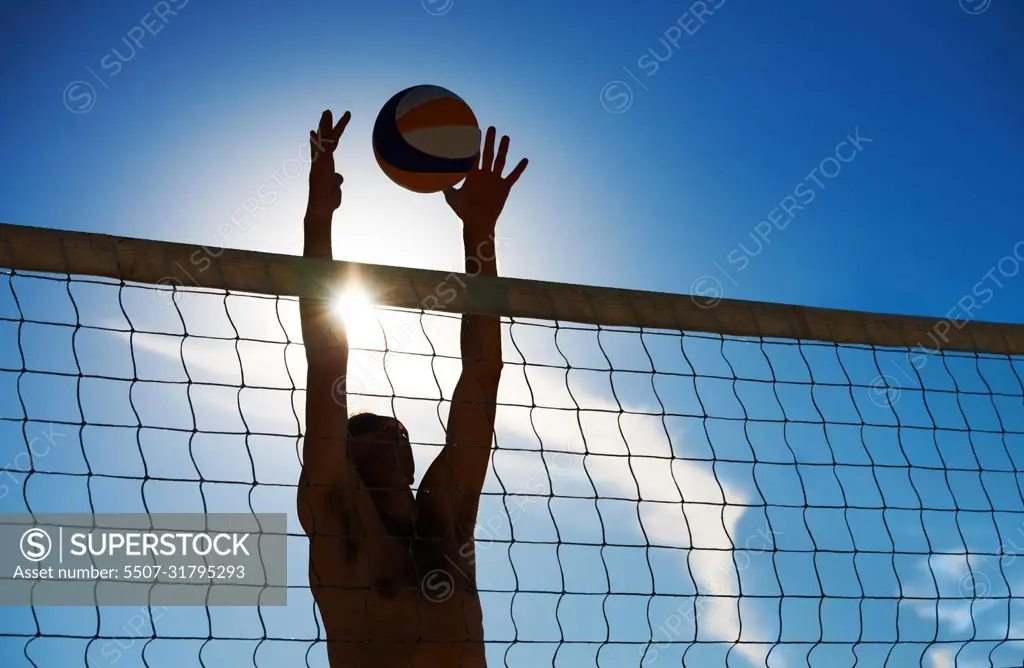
177 265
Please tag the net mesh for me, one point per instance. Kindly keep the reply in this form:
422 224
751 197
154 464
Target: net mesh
654 497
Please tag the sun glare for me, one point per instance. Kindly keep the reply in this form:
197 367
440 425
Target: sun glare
355 308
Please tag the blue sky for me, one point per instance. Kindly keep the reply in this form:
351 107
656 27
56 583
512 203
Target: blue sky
663 146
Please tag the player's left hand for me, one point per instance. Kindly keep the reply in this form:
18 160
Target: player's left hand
482 196
324 182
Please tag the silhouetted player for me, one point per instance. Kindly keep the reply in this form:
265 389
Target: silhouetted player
392 573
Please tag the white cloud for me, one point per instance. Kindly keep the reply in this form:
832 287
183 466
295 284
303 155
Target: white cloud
708 526
940 658
964 585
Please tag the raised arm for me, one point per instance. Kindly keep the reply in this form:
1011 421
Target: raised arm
328 491
453 483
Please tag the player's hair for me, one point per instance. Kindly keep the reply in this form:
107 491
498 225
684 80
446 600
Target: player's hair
361 424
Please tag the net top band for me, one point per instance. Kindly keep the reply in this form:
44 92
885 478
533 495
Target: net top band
177 265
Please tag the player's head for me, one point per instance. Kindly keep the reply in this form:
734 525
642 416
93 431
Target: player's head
380 449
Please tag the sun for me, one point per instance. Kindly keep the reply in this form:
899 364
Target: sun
354 306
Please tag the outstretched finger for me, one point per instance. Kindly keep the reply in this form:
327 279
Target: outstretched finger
488 157
326 123
499 161
342 124
517 172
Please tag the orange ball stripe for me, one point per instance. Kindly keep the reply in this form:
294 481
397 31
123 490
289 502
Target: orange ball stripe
435 113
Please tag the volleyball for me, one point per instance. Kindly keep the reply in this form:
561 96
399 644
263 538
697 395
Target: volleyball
426 139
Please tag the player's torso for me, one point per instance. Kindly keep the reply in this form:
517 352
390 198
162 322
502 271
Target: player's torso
396 603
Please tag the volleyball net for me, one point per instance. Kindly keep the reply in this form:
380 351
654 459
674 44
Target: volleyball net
673 482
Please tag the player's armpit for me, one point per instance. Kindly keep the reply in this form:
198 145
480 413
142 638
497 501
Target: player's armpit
451 487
